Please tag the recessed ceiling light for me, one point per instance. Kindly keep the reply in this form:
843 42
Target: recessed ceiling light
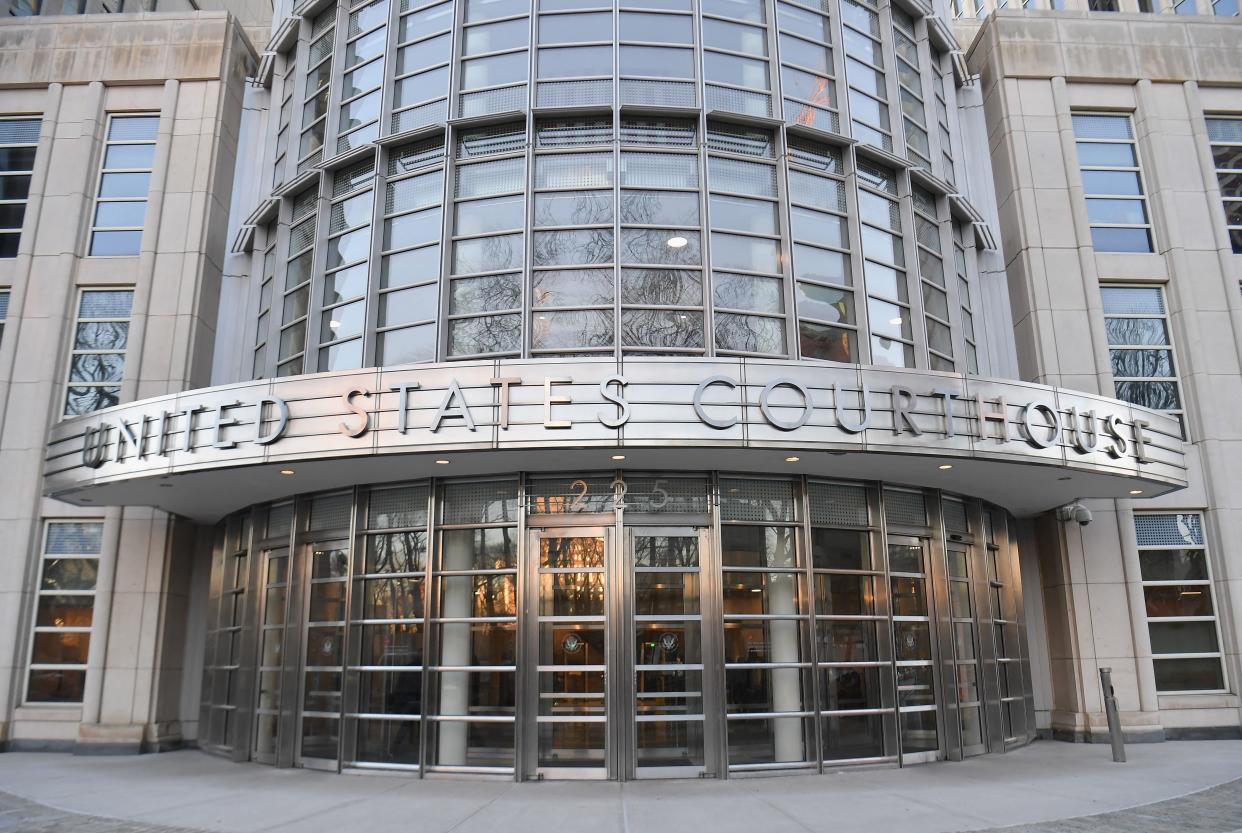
286 471
441 462
792 459
335 325
1136 491
896 322
946 466
677 242
618 456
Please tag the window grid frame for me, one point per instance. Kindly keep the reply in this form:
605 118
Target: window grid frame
74 351
1175 377
29 173
1142 198
1210 584
93 226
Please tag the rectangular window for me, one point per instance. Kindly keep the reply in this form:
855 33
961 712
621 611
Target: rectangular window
66 603
18 138
97 363
4 311
1112 183
124 180
1181 609
1141 348
1225 134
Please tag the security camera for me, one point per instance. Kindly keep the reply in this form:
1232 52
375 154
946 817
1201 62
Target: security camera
1075 512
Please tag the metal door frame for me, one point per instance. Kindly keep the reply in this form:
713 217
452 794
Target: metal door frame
306 547
952 690
528 764
711 636
930 575
262 585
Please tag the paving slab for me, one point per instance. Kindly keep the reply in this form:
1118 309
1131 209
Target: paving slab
1048 787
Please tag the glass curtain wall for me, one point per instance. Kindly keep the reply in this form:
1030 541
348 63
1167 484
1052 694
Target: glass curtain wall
810 624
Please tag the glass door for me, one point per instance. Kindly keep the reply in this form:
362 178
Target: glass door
324 655
664 646
912 649
570 687
275 574
964 656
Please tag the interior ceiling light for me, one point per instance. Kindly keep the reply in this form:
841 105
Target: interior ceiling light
618 456
441 462
1136 491
946 466
792 459
286 471
677 242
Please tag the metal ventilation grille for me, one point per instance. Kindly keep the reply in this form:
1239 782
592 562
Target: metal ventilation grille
488 141
877 176
352 177
19 131
398 508
304 203
301 235
74 538
562 134
279 521
115 303
670 133
905 508
573 93
836 504
656 170
435 112
816 191
323 22
1132 300
666 495
480 503
486 178
756 500
409 158
1174 531
491 101
1103 127
754 178
414 192
320 49
955 516
567 495
740 140
813 154
574 170
927 233
923 201
330 511
739 101
310 161
659 93
808 115
1218 130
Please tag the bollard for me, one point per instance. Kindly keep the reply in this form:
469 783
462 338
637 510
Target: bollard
1114 719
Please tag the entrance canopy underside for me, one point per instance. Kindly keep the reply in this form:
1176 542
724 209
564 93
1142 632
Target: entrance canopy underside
1025 447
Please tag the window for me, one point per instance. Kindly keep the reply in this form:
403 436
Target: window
1181 610
1225 134
17 153
66 603
1112 183
1103 6
97 363
1140 347
884 269
1225 8
124 180
4 311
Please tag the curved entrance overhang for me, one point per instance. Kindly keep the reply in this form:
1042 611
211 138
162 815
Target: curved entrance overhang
206 452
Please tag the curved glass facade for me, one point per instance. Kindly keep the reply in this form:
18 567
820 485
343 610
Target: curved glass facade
616 625
518 178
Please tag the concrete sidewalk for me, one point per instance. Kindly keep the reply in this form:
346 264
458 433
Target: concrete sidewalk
1045 782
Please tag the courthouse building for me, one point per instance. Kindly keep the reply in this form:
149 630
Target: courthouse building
642 388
